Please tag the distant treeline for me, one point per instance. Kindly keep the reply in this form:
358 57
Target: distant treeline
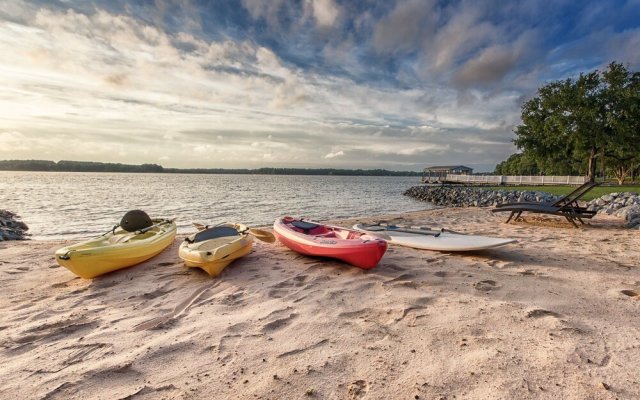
75 166
88 166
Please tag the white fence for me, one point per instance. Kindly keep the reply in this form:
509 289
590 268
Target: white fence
510 179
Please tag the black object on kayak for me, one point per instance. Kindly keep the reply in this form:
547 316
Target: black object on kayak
135 220
213 233
304 225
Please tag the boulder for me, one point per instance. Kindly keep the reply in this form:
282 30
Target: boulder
11 228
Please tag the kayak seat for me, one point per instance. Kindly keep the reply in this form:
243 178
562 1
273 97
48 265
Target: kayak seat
308 228
304 225
326 234
212 233
116 239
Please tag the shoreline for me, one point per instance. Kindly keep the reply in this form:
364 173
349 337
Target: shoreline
554 315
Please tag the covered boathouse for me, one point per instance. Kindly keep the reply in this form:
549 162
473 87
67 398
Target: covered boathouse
439 173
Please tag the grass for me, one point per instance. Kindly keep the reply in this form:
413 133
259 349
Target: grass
594 193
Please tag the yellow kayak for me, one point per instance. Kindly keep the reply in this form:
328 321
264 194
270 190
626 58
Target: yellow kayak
117 249
212 249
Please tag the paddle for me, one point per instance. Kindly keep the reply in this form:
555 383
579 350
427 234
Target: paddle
148 228
394 228
260 234
382 236
265 236
424 228
140 231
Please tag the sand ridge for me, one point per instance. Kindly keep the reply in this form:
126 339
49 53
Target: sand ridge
553 316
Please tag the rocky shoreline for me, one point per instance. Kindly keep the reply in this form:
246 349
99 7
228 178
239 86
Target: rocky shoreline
11 228
624 204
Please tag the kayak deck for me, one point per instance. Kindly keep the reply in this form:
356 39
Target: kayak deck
315 239
215 253
116 250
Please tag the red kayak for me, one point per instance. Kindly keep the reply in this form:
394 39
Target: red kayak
316 239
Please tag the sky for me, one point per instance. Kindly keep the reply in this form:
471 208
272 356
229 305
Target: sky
394 84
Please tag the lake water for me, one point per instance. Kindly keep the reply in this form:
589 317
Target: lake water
81 205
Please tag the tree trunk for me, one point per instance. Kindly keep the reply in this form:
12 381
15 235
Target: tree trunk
592 166
621 174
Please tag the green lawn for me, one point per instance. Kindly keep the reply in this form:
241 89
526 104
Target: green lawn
562 190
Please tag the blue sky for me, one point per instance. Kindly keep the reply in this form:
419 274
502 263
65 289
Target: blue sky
314 83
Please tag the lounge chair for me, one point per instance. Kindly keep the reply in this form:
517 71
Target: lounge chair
567 207
570 198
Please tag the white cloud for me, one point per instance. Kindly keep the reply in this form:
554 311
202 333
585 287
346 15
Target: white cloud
13 142
335 154
325 12
407 26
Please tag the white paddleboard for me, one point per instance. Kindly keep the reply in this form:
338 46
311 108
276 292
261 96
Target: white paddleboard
420 238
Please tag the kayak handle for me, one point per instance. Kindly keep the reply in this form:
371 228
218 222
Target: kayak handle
148 228
65 256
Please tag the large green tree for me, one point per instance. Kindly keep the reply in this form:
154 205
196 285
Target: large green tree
621 98
573 123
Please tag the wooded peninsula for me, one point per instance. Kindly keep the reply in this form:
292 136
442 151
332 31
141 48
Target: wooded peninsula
88 166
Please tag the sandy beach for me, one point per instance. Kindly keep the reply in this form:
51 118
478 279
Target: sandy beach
554 316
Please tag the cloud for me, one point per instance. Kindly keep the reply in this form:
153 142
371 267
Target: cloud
13 142
462 35
325 12
273 11
335 154
399 83
408 25
489 67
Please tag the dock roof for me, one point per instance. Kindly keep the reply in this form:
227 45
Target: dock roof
447 167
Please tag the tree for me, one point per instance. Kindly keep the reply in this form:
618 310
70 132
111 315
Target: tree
621 98
572 123
518 164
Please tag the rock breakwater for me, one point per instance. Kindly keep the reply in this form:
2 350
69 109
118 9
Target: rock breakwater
624 204
11 228
465 196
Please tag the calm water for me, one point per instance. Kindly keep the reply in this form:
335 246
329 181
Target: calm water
80 205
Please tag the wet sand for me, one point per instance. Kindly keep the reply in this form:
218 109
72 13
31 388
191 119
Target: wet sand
556 315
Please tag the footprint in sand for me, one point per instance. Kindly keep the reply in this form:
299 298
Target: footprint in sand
238 328
486 286
630 293
161 321
358 389
498 263
401 278
395 267
164 392
539 313
75 354
277 293
278 323
296 281
50 332
158 292
166 264
236 298
228 346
